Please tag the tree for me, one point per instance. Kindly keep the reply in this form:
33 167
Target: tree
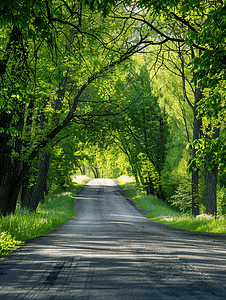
63 164
203 24
141 130
51 52
184 94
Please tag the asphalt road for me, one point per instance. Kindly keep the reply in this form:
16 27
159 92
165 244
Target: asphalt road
111 251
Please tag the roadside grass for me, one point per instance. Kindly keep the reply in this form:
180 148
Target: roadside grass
23 225
166 214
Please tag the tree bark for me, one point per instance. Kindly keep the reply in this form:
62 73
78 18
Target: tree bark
149 186
82 170
211 189
10 145
197 123
10 169
35 194
95 171
211 181
11 195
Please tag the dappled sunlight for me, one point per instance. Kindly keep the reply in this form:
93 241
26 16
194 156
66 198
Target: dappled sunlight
111 251
129 261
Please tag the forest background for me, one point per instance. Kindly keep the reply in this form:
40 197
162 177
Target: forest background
106 88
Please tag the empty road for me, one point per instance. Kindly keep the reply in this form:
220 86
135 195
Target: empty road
111 251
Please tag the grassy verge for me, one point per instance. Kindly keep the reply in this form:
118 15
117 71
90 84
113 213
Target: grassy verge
23 225
164 213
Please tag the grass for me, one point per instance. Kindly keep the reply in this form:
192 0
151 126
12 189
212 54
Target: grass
23 225
166 214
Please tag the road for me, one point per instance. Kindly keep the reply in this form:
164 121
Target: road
111 251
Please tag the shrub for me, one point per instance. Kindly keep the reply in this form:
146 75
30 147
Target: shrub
221 202
183 199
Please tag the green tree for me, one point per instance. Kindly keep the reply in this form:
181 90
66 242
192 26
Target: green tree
203 24
141 130
51 53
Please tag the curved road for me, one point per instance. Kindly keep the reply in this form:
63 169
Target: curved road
111 251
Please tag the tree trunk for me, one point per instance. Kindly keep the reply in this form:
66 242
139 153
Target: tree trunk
82 170
211 189
31 196
10 169
95 171
211 181
196 133
195 173
11 165
149 186
35 194
7 203
195 192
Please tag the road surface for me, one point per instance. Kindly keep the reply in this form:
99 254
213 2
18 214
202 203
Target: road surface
111 251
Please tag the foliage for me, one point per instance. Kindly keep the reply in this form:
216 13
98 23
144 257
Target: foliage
63 163
215 148
206 32
175 168
197 30
62 66
182 199
107 162
51 53
140 131
7 242
221 202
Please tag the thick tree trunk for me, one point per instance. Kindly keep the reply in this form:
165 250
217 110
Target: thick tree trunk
6 163
9 164
31 196
7 203
10 169
35 194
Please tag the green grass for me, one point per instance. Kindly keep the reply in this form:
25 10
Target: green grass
23 225
164 213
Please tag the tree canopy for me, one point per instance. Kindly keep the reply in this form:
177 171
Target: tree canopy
125 75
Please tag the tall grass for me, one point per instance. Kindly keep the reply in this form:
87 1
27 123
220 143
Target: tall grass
161 212
17 228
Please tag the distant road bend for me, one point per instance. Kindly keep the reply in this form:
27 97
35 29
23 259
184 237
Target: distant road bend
111 251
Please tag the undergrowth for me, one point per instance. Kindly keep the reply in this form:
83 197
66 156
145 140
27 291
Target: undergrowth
23 225
164 213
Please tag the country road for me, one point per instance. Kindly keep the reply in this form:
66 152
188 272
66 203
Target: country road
111 251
